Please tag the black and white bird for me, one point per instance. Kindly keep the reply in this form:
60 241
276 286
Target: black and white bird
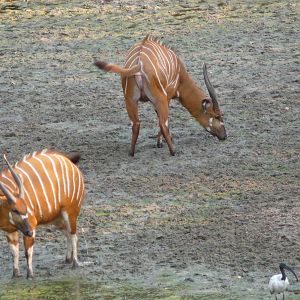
279 283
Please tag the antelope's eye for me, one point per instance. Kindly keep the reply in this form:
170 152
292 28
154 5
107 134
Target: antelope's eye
15 211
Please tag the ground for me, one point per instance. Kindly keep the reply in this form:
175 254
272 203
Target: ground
213 222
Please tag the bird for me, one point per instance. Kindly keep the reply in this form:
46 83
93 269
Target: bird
279 283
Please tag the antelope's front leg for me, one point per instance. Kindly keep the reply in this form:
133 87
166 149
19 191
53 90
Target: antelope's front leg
159 143
28 244
13 242
159 139
163 112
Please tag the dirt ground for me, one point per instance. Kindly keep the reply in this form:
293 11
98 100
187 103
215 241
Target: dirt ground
213 222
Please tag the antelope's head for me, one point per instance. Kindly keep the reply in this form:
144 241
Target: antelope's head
17 207
213 117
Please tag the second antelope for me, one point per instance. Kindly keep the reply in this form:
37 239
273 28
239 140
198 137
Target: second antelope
44 187
153 72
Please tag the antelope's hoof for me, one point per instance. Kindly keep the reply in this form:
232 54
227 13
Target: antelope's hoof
131 153
68 260
16 273
75 264
172 152
29 276
159 144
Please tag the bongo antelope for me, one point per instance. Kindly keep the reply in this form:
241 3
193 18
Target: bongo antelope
279 283
153 72
44 187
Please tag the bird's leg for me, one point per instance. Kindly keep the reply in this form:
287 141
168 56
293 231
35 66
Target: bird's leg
283 295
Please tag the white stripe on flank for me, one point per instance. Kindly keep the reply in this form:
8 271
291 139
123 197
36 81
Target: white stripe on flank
67 176
34 191
132 58
143 72
171 59
27 195
175 83
73 180
62 172
130 65
173 70
55 173
158 63
171 65
49 179
79 186
168 67
175 59
30 202
41 183
125 90
133 49
82 191
159 54
155 72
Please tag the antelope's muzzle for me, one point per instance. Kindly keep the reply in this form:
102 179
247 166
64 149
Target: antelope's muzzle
26 229
221 134
223 137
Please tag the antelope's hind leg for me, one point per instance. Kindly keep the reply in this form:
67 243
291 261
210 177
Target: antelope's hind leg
159 143
61 226
132 95
13 242
70 221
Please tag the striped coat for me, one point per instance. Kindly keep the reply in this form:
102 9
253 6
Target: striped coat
153 72
159 64
52 192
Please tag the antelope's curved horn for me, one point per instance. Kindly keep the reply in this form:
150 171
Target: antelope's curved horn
210 88
16 178
10 197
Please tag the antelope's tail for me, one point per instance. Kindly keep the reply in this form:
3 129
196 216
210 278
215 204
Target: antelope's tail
117 69
74 157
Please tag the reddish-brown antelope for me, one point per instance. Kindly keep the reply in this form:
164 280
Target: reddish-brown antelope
44 187
153 72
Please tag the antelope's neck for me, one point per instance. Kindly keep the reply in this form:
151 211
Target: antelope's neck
191 96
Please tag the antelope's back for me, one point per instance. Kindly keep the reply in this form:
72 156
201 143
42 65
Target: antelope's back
51 182
158 60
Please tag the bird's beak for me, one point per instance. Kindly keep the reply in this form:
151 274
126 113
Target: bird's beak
291 270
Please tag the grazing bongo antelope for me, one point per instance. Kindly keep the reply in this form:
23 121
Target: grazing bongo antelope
44 187
153 72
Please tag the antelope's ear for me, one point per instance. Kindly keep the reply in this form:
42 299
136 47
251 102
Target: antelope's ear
206 103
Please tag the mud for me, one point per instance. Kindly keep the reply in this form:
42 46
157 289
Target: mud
213 222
